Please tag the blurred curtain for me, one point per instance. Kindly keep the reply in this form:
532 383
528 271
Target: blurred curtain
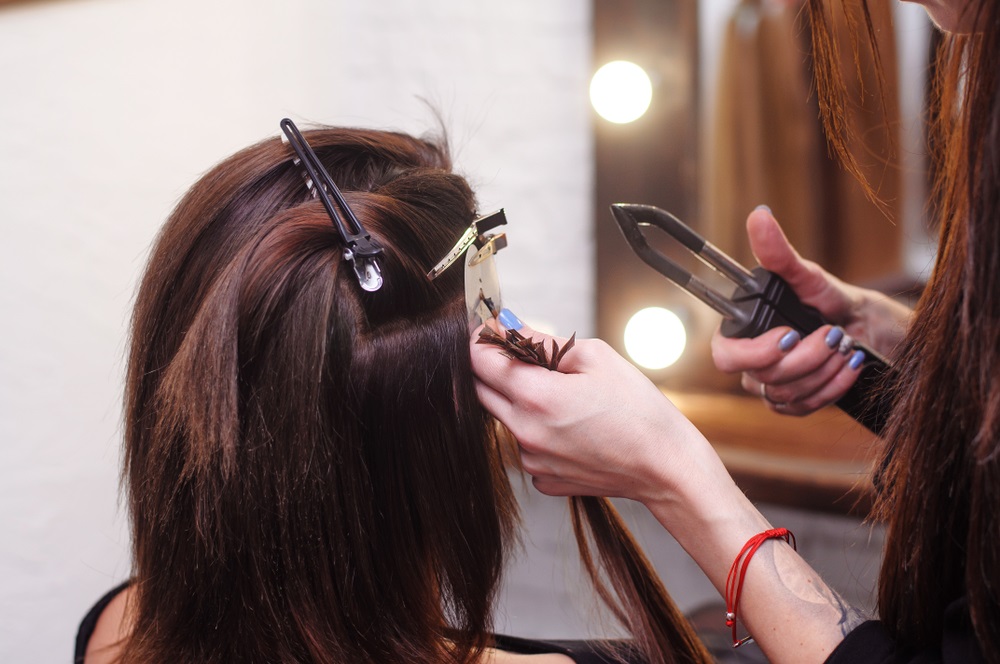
767 145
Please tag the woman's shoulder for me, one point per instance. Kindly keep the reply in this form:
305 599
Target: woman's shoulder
504 657
558 652
107 624
104 628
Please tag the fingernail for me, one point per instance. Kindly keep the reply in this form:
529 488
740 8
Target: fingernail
509 320
834 336
764 207
789 340
856 360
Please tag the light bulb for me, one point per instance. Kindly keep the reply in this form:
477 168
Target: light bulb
655 337
620 91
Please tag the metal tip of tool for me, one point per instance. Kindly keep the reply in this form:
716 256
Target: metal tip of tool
632 215
618 210
635 214
632 210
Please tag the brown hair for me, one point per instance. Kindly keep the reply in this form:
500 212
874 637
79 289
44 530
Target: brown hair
310 475
941 499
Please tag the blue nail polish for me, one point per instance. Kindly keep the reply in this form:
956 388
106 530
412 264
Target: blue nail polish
834 336
509 320
789 340
764 207
856 360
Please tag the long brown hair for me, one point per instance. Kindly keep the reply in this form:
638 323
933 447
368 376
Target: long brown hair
309 474
941 499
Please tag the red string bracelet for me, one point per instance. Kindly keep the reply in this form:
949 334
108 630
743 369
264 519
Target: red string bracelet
738 572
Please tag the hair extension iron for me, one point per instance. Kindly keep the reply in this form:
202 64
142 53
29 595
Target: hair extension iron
762 301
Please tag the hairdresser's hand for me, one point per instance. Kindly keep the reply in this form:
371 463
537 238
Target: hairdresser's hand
597 426
798 376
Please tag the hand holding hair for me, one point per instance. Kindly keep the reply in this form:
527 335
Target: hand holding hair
797 376
599 427
612 558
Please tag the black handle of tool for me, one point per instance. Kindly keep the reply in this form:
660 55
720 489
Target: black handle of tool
864 401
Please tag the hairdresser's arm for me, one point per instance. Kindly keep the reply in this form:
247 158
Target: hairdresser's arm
602 428
807 374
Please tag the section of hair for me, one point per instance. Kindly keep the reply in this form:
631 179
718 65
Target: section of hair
942 459
309 473
855 16
627 584
944 477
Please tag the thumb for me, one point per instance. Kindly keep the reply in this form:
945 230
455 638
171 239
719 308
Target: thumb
521 341
775 253
770 245
495 364
517 341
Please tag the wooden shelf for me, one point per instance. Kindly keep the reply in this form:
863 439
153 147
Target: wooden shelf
821 462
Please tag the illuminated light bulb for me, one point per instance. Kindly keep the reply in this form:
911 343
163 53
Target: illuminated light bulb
621 91
655 338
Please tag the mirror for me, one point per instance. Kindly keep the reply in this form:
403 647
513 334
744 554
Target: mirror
733 122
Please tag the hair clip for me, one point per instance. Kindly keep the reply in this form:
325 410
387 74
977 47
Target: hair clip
486 245
482 285
360 249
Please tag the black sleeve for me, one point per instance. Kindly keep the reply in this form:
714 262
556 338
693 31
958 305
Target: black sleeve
871 643
868 643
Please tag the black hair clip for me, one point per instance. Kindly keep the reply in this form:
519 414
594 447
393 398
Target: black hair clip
360 249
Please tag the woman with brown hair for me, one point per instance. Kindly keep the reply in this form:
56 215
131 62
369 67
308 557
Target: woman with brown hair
310 476
601 428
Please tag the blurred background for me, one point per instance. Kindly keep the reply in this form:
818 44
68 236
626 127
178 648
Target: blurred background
110 109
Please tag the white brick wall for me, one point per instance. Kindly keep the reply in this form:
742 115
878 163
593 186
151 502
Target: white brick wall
123 103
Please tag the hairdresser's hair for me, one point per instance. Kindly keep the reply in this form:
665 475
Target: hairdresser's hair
941 497
309 473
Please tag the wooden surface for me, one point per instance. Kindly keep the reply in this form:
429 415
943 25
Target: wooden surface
821 462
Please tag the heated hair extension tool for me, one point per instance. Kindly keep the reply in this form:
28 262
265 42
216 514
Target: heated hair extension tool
762 301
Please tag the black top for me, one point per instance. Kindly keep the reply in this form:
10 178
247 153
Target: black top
581 652
870 643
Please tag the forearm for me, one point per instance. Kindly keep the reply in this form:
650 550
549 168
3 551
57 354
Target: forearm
603 429
790 611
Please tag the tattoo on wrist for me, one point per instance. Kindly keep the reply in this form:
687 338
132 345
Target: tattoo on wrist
849 617
809 587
